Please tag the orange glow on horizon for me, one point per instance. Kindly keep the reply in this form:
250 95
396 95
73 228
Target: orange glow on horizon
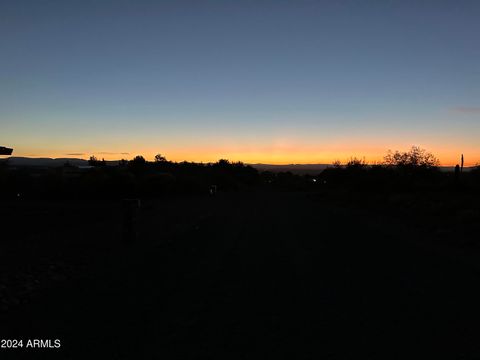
275 155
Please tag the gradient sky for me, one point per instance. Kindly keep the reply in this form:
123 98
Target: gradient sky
256 81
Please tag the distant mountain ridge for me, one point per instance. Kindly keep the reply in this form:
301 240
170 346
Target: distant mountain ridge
49 162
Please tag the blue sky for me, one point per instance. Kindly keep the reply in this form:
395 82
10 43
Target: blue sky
259 81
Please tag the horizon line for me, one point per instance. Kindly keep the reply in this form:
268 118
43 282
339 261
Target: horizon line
233 161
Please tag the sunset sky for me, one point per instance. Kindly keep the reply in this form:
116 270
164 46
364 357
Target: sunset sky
257 81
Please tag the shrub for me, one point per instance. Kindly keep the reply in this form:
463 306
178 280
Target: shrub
416 157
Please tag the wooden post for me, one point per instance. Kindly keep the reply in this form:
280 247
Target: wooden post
130 210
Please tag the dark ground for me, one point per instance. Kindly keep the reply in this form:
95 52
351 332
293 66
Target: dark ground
237 276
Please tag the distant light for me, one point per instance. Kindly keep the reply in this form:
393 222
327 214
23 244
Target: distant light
314 180
324 181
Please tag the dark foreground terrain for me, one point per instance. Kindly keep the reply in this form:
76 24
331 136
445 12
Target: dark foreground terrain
254 275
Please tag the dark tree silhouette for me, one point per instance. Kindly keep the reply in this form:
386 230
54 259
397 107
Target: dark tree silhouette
337 164
416 157
93 161
138 160
223 163
356 163
160 158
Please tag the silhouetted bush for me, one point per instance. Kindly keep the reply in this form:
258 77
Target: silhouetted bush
160 158
93 161
355 163
415 158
